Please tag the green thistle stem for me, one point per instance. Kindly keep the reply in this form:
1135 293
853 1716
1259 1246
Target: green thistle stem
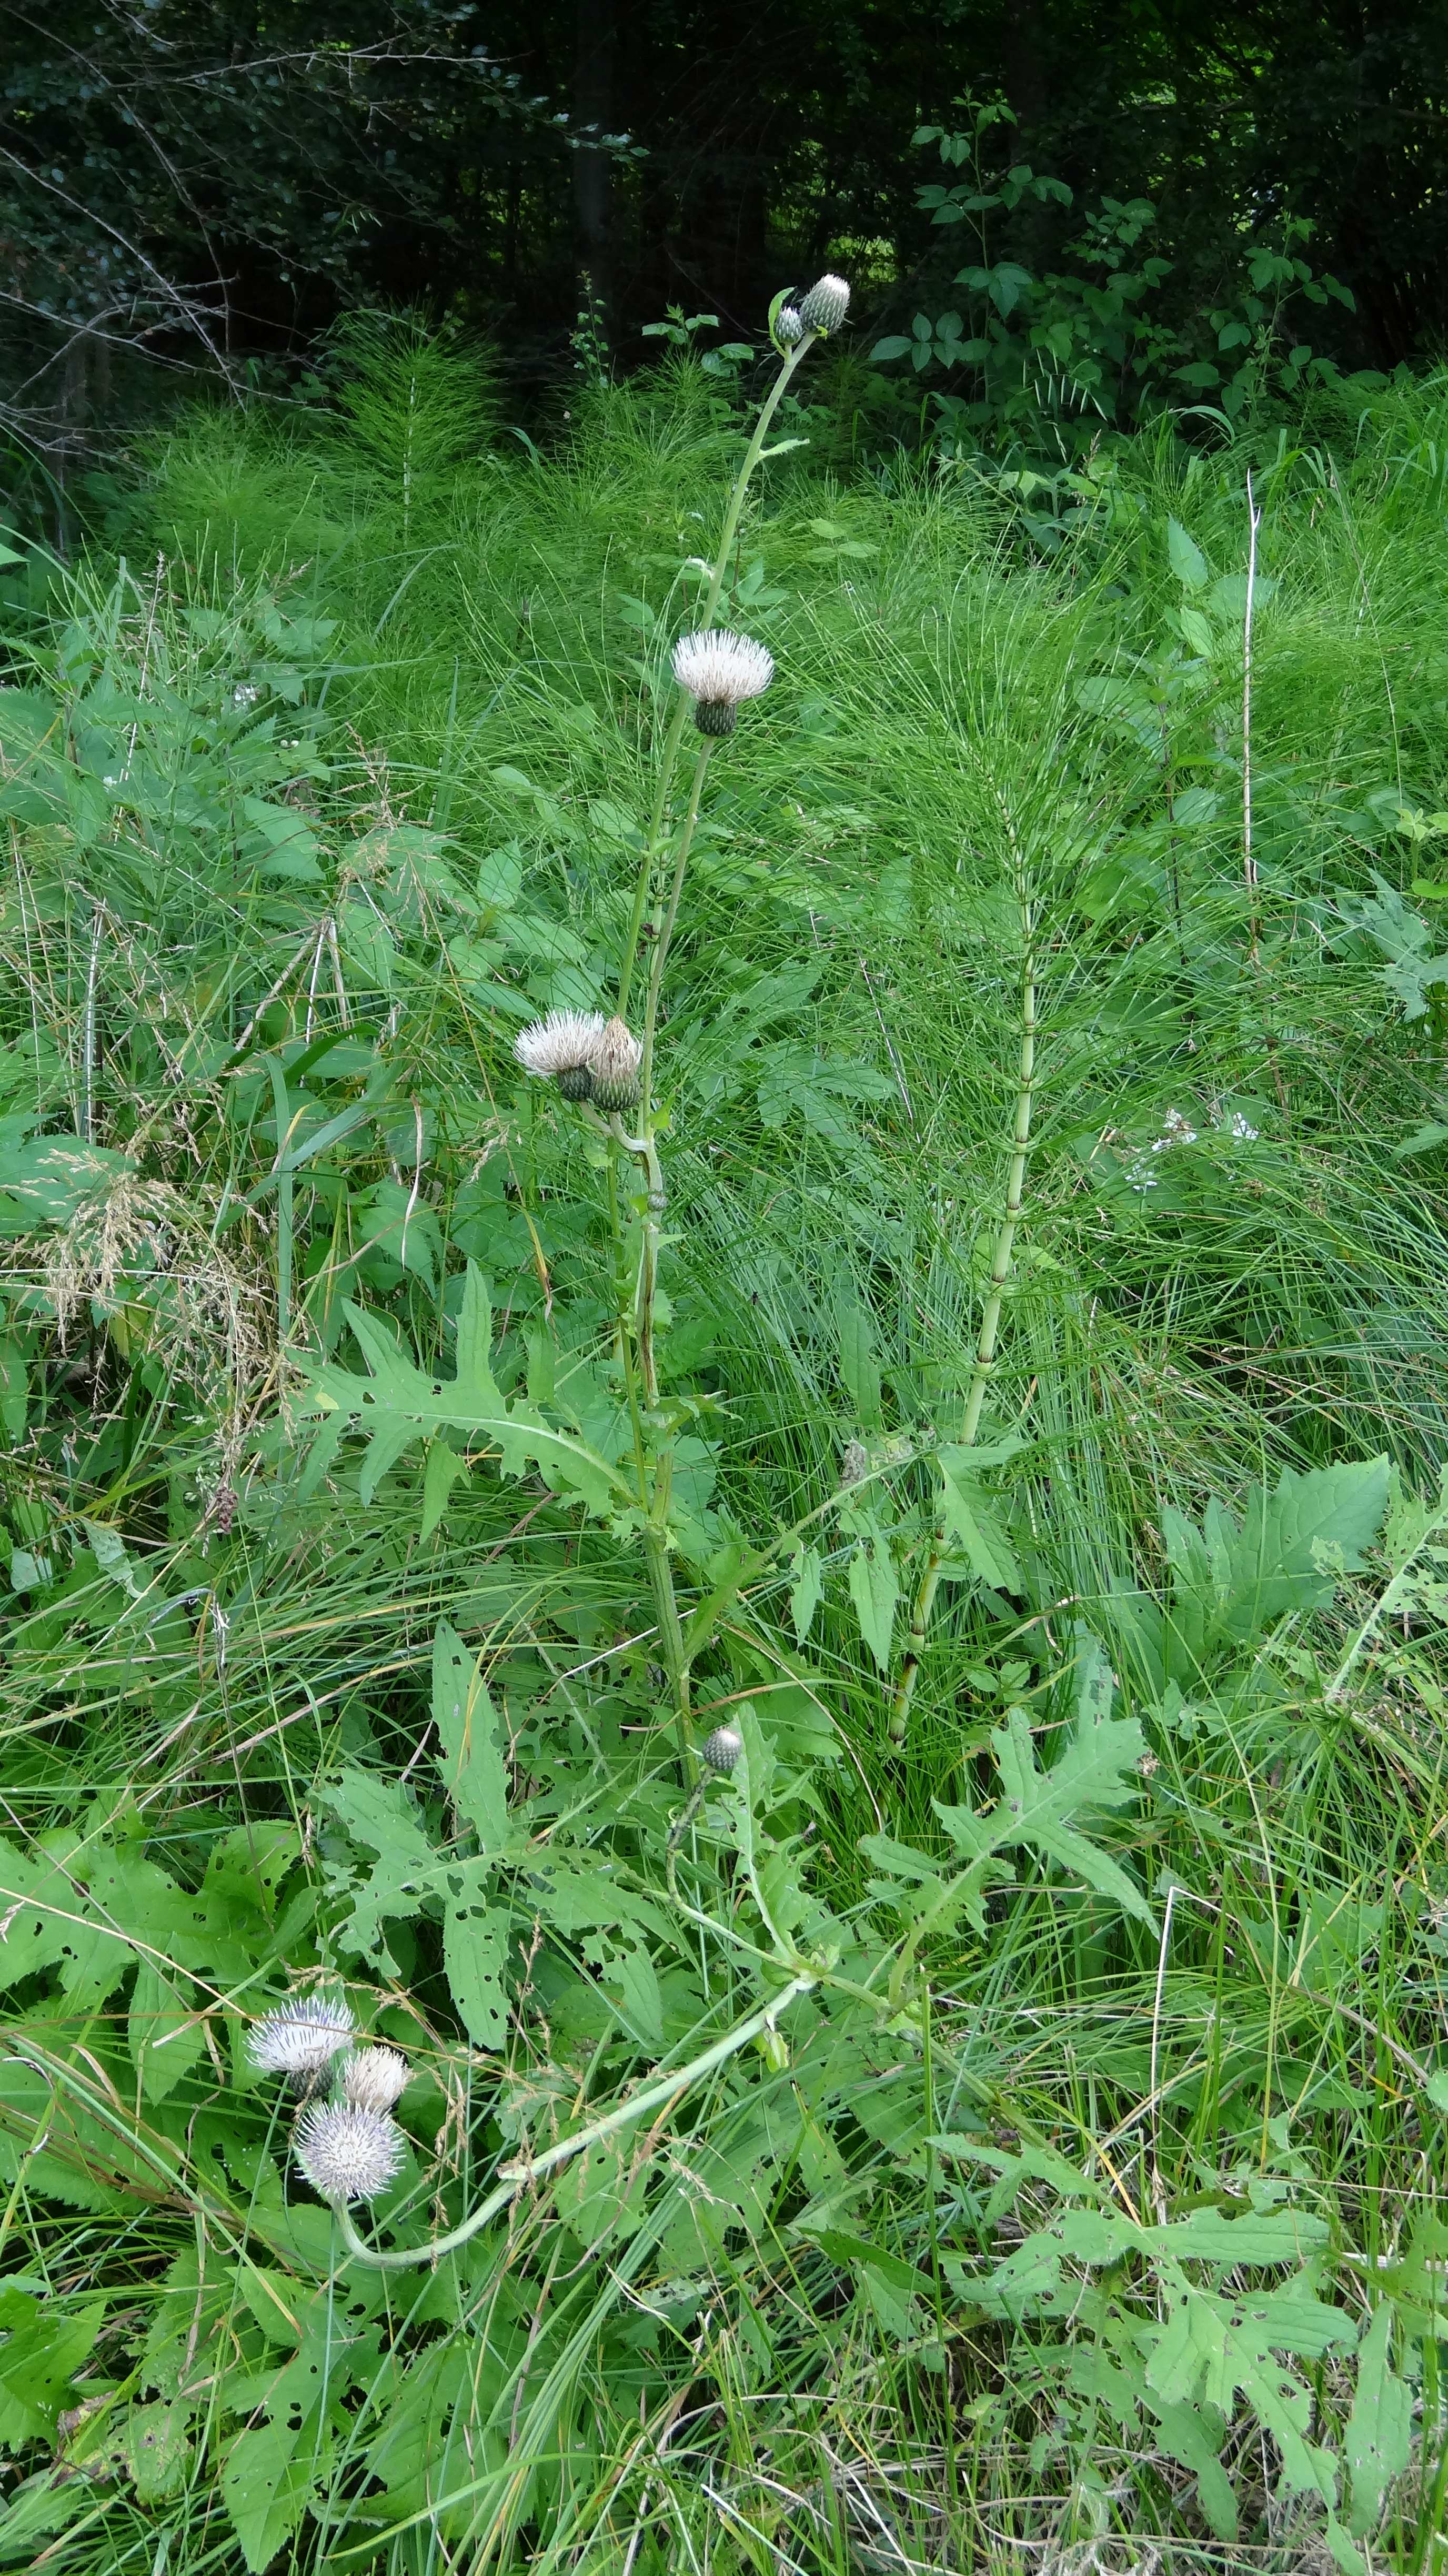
679 718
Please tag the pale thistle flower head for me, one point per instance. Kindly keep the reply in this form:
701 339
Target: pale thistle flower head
825 306
558 1049
373 2078
787 326
301 2038
723 1748
347 2153
614 1066
720 670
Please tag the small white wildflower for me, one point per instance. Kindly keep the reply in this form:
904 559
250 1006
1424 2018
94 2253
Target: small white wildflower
1175 1130
787 326
348 2154
1236 1126
302 2037
245 695
373 2078
720 670
559 1049
825 306
614 1066
723 1748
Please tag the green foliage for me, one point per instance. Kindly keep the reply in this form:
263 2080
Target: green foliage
1052 358
337 1653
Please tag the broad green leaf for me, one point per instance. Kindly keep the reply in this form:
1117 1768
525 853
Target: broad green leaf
1188 562
443 1468
976 1525
399 1402
875 1590
164 2035
382 1814
266 2487
158 2450
1038 1807
859 1356
470 1758
805 1591
1379 2439
42 2352
475 1955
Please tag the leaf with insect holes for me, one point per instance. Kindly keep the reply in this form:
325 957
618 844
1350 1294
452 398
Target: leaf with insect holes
1379 2440
470 1755
399 1403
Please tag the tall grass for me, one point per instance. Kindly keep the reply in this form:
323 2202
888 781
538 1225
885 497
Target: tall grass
353 764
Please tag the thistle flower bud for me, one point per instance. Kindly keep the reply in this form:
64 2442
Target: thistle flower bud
825 306
301 2038
614 1068
372 2078
719 671
787 326
723 1748
348 2154
559 1049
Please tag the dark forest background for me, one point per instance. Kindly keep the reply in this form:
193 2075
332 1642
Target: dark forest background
204 189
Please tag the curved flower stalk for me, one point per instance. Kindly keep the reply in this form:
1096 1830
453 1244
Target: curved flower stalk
526 2171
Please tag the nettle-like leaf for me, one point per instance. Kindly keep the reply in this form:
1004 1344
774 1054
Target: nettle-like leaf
399 1403
1230 1583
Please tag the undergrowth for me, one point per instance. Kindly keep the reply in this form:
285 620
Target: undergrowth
1078 2208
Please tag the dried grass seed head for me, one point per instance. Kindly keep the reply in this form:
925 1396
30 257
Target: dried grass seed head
347 2153
302 2037
614 1066
825 306
372 2079
720 670
558 1049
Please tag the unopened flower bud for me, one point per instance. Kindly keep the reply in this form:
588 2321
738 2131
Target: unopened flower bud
787 326
825 306
614 1067
723 1748
372 2079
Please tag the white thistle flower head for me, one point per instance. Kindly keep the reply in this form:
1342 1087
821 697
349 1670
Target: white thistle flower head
825 306
301 2038
788 327
373 2078
723 1748
614 1066
720 670
348 2154
558 1049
